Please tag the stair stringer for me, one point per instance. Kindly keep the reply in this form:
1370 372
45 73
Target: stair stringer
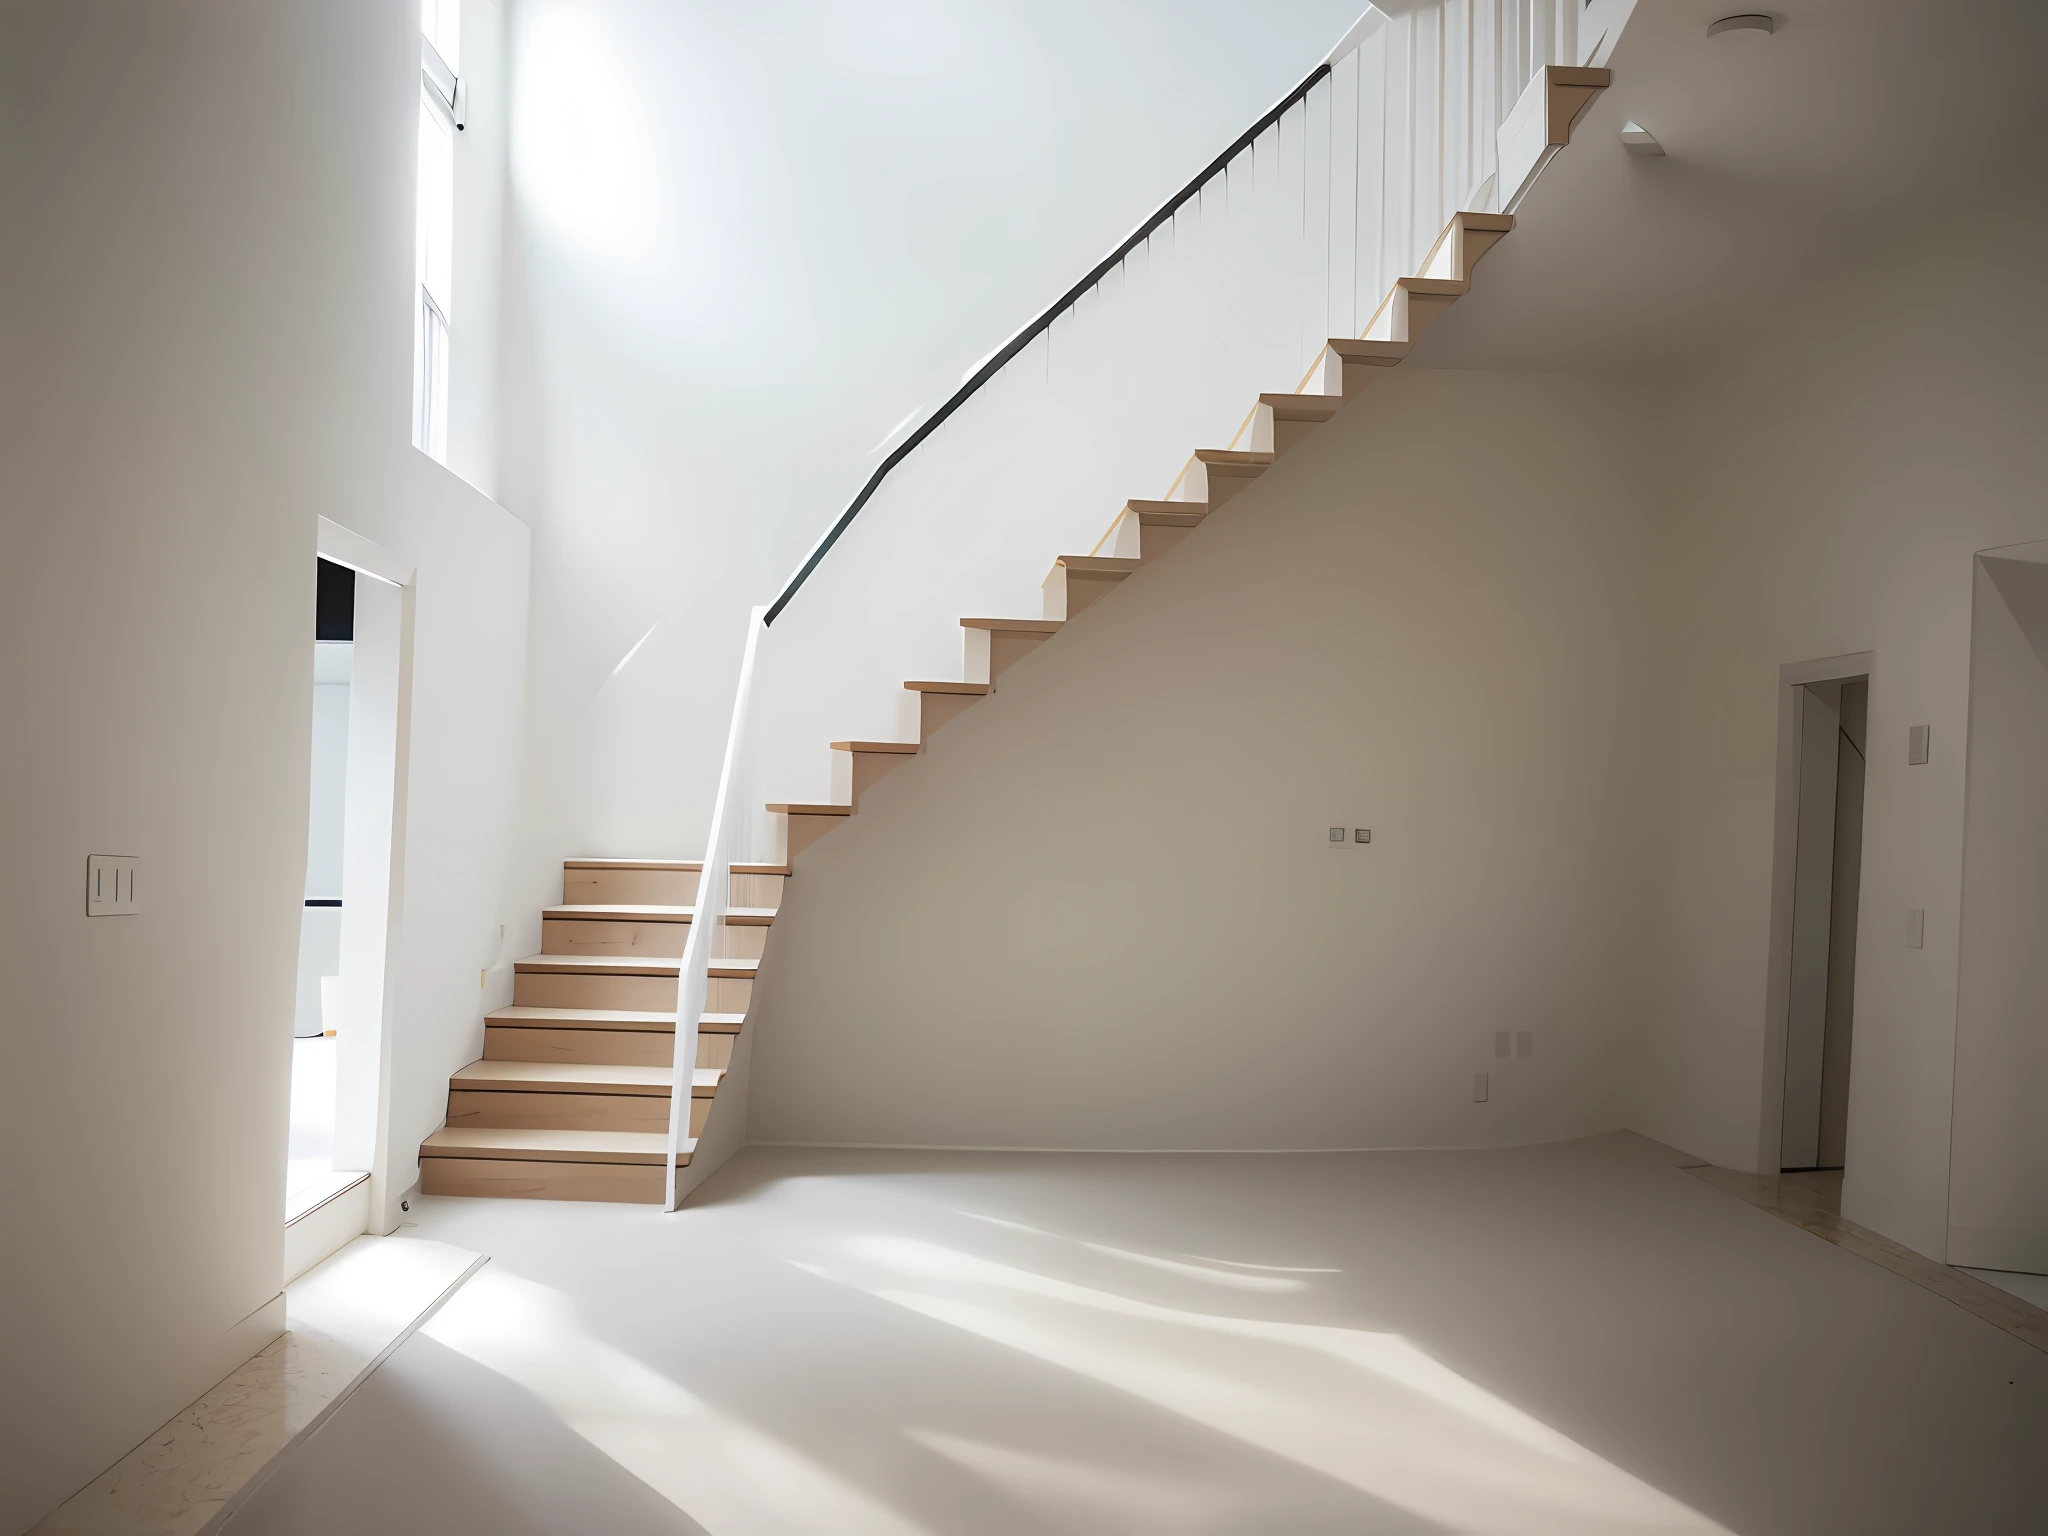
725 1127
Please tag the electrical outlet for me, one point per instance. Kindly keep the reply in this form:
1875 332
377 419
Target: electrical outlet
110 885
1337 836
1361 834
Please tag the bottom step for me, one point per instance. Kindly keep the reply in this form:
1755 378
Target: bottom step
548 1164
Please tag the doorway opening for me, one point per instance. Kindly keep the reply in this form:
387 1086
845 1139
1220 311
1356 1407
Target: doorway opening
339 1157
311 1178
1829 728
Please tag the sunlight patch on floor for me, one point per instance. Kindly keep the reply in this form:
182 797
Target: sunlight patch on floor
1087 1495
1370 1410
724 1474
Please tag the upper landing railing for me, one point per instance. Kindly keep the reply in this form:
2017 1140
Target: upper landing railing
1031 332
1419 97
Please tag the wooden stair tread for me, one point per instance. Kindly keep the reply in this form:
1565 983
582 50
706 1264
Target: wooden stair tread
1303 407
681 865
520 1016
800 809
905 748
526 1017
579 1077
1170 515
1015 626
601 965
1359 350
1101 565
1441 287
1233 458
685 866
624 965
554 1146
603 912
621 911
941 686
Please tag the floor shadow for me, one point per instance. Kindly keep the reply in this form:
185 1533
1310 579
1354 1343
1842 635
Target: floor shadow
435 1442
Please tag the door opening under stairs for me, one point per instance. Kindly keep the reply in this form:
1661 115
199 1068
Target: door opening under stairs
1819 1026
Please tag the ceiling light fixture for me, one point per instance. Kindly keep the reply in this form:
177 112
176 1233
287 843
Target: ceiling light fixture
1764 24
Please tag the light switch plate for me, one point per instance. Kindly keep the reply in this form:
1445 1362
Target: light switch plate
1916 928
1336 835
1916 745
110 884
1500 1042
1525 1043
1479 1087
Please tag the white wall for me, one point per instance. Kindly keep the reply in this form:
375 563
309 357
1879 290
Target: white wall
1101 910
462 793
1828 477
206 274
746 241
1998 1186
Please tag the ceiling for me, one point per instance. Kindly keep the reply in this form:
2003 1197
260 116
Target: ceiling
1784 155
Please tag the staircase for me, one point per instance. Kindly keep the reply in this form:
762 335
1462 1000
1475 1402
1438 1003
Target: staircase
571 1098
1145 530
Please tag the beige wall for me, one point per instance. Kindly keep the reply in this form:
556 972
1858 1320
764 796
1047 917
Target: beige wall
206 277
1828 480
1101 910
1551 683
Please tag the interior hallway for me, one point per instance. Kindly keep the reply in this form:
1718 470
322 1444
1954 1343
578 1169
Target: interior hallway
1573 1338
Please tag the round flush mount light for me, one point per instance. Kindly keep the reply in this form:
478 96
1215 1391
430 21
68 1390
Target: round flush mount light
1765 25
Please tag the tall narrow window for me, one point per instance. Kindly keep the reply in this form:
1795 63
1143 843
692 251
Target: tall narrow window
441 106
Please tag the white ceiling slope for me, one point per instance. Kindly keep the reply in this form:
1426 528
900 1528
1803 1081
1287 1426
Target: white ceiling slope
1857 118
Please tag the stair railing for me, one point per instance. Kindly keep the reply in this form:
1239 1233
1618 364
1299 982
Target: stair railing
729 838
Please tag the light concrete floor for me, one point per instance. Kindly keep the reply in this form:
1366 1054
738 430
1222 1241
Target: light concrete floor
1578 1338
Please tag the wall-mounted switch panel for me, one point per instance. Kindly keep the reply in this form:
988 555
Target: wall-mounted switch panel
1500 1042
1525 1043
1336 835
1916 928
1479 1086
1916 745
110 884
1361 834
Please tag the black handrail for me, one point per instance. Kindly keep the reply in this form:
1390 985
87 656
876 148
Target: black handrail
1036 328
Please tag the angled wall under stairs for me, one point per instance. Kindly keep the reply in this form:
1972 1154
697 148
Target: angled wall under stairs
1099 909
1102 909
